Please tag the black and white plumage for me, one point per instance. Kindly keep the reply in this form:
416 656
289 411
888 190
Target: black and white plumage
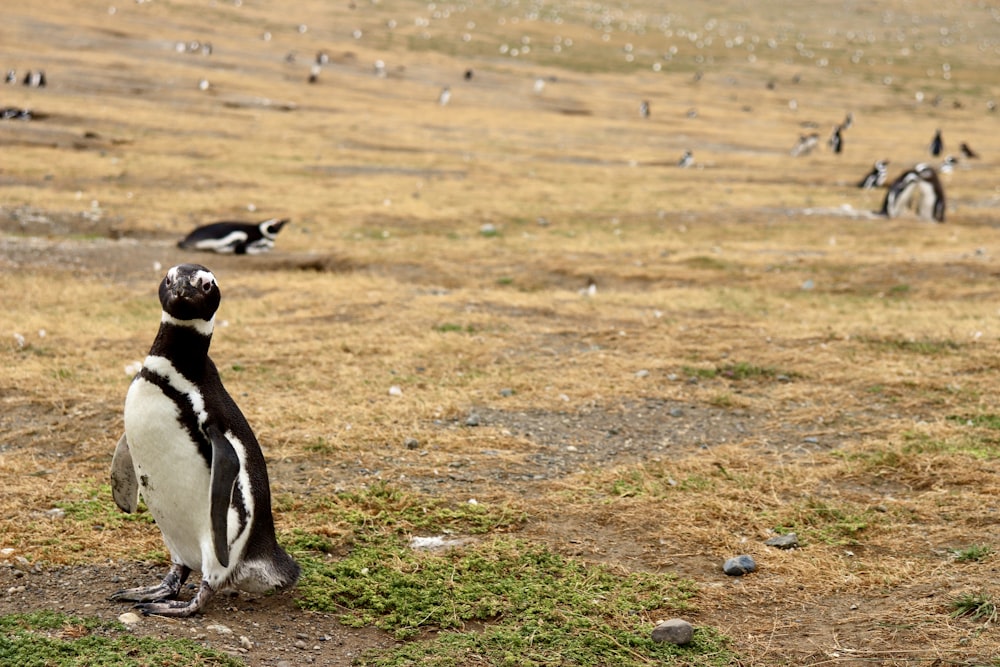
948 164
234 238
644 109
34 79
968 152
918 188
686 160
806 144
936 146
876 177
836 140
189 452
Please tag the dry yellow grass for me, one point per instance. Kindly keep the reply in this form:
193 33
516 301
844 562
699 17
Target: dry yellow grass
887 329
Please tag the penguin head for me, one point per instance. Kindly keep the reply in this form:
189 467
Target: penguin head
190 292
270 228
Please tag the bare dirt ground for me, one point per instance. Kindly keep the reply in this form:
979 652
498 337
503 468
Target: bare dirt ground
518 388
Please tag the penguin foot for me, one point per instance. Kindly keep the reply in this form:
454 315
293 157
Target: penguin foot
178 608
167 589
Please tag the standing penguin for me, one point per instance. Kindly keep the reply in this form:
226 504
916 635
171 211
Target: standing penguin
189 452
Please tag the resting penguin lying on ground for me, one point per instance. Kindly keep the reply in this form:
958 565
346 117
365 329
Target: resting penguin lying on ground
189 452
238 238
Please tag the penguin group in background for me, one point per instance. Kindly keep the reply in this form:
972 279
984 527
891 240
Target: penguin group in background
32 79
937 144
235 238
918 188
876 177
190 454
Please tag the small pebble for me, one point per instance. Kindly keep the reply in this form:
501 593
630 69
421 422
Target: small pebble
129 618
245 642
472 420
221 629
411 443
789 541
739 565
675 631
642 373
506 393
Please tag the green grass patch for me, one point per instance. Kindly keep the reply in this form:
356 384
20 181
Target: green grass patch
926 347
973 554
824 522
990 421
51 639
95 506
529 606
488 598
975 607
983 449
737 371
449 327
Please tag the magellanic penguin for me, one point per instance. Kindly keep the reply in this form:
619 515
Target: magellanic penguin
189 452
876 177
918 188
239 238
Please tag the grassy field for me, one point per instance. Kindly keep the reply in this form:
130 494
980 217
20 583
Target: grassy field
760 352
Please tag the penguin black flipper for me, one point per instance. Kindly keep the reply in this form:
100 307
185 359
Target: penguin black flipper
225 469
124 485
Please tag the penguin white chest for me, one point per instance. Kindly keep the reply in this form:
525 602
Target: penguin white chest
174 477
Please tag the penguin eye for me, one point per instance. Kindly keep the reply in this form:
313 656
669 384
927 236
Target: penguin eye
167 281
207 286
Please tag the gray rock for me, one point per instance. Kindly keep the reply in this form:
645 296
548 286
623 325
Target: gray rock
411 443
472 420
739 565
675 631
789 541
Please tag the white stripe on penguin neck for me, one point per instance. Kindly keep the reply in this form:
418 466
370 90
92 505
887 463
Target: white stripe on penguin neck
204 327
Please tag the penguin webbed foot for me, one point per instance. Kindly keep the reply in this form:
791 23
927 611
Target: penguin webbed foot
178 608
165 590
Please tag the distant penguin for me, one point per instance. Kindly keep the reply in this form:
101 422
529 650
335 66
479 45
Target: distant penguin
806 144
322 58
34 79
644 109
836 140
848 121
468 75
686 160
936 145
918 188
314 71
190 454
235 238
11 76
968 152
876 177
444 96
948 165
